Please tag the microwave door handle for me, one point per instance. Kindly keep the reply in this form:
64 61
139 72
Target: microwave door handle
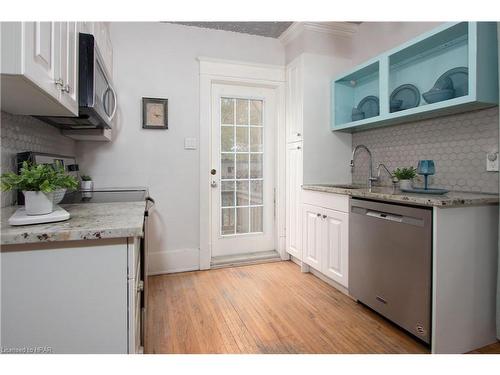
104 101
115 103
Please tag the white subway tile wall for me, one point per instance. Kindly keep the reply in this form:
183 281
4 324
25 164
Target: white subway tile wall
25 133
457 143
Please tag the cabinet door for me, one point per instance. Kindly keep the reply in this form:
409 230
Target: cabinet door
335 245
41 55
294 103
69 65
312 236
293 199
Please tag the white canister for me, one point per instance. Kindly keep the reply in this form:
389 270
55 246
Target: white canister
38 202
405 184
87 185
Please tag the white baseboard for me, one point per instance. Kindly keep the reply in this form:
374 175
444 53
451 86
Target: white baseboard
171 261
320 276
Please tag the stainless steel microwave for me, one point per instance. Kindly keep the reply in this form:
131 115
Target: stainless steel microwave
97 100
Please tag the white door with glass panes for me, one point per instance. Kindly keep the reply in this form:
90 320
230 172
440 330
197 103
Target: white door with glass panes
242 175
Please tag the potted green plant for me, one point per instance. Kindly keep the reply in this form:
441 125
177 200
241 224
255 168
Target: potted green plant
405 176
38 184
64 182
86 183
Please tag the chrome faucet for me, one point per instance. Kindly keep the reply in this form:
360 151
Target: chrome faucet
371 179
394 180
379 168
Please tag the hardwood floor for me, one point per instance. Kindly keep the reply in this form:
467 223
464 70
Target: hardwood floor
264 308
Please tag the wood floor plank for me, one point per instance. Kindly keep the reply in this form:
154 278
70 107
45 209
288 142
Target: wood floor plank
265 308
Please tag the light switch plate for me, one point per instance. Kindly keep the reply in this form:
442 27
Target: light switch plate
492 162
189 143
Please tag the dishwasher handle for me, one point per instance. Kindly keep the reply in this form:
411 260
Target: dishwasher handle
384 216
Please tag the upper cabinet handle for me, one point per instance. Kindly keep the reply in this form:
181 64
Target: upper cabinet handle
324 216
298 134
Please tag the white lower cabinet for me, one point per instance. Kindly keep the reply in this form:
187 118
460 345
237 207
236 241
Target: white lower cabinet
325 242
335 245
312 236
73 296
293 199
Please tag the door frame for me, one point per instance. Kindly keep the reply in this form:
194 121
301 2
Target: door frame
215 71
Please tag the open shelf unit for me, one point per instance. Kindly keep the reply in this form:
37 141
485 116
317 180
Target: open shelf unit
420 62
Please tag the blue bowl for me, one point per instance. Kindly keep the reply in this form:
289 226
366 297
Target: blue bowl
396 105
358 116
434 95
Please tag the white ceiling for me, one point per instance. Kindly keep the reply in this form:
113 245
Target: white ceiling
267 29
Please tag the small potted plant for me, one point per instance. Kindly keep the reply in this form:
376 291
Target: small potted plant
86 184
405 177
38 184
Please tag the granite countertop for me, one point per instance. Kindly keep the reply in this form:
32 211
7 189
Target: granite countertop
451 199
88 221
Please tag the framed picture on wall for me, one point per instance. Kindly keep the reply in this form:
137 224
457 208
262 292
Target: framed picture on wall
154 113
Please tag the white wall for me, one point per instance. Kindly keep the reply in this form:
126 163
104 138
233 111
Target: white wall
326 154
373 38
160 60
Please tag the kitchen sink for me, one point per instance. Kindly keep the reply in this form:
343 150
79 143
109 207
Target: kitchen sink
344 186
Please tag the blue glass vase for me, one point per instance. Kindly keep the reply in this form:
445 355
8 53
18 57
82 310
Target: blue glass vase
426 168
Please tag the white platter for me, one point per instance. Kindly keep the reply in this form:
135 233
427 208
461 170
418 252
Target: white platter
21 218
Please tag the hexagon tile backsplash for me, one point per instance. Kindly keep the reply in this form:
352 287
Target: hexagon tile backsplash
457 143
25 133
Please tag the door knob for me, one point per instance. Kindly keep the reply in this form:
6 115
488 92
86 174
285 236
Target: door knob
213 184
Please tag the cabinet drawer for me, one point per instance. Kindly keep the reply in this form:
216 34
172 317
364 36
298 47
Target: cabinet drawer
332 201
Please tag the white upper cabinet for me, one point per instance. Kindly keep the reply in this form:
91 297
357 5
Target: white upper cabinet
294 101
69 64
39 66
41 55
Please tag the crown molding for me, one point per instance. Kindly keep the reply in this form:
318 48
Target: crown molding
343 29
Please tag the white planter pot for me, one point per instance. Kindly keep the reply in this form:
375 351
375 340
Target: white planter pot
87 185
405 184
38 203
59 195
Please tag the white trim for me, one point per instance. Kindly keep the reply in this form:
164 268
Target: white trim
170 261
343 29
253 74
239 69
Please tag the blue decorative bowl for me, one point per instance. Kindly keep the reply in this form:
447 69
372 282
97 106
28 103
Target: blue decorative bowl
437 95
358 116
396 105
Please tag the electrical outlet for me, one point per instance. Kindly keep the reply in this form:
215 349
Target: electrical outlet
492 162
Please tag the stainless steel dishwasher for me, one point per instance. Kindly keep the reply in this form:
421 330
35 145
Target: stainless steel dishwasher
390 262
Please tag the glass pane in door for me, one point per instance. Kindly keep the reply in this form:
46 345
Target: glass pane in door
242 179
